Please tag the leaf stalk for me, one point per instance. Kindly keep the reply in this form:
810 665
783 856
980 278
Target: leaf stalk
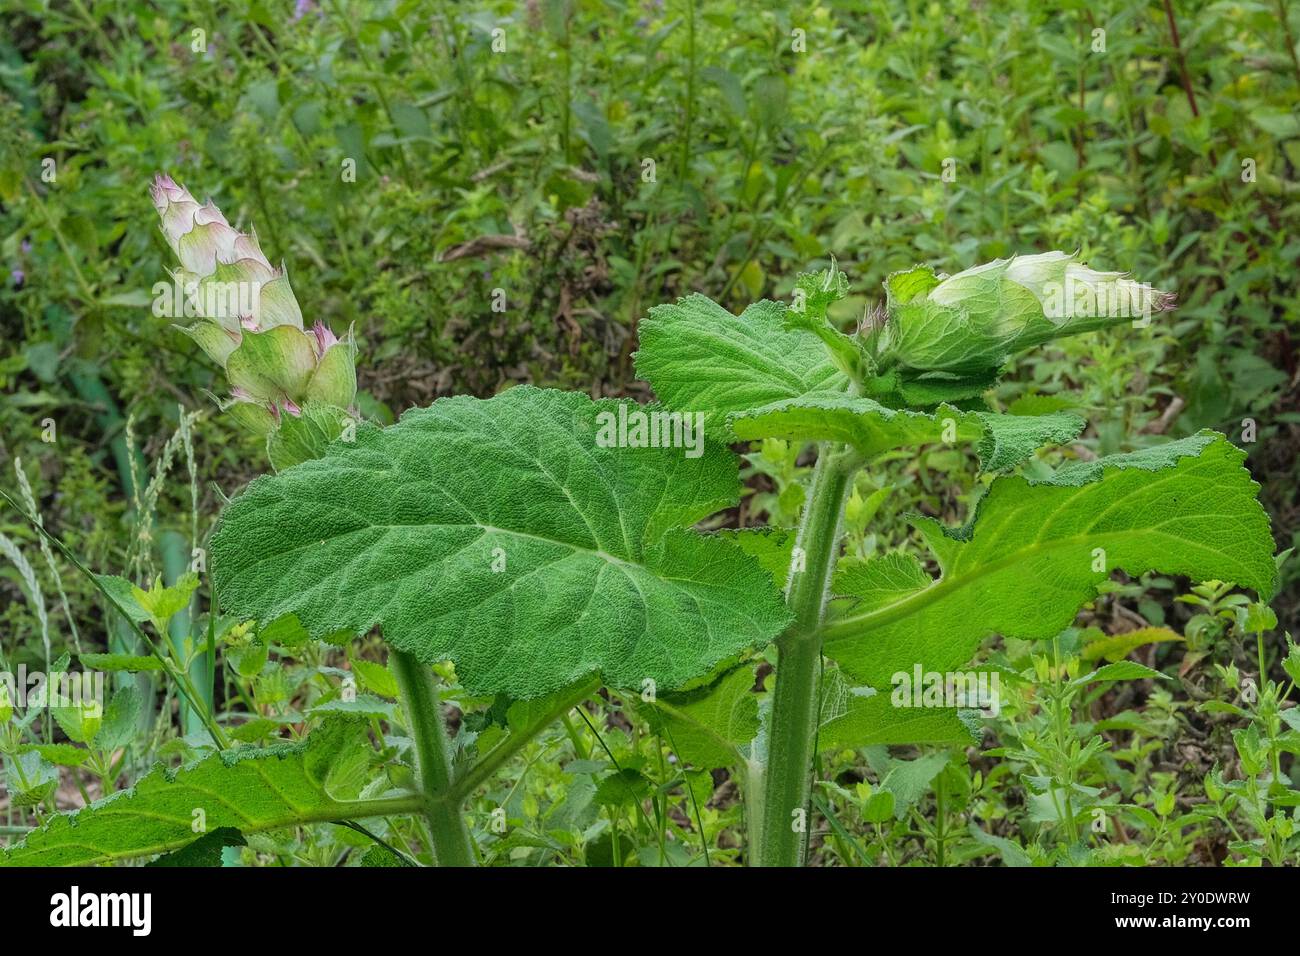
451 842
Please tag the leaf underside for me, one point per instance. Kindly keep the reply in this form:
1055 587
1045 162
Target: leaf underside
854 717
708 727
1003 441
873 721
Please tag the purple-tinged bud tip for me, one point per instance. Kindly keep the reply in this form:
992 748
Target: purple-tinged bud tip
325 337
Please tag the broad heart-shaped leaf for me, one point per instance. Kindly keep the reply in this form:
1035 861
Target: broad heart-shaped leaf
699 357
501 535
1035 553
1003 440
249 790
709 726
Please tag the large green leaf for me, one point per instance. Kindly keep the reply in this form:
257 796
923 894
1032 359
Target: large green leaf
1003 440
700 357
1029 559
499 534
249 790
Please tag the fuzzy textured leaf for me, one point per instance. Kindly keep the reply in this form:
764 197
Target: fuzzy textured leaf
500 535
699 357
1003 440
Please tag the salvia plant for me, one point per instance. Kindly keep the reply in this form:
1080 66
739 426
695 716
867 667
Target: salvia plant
294 386
546 544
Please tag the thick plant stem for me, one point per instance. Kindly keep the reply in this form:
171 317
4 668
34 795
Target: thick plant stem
451 844
795 700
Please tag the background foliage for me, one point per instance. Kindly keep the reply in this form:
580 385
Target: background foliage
777 137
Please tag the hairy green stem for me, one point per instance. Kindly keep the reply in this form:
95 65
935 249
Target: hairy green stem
451 843
795 708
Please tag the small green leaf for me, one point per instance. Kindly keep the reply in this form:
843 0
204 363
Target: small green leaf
1010 851
909 780
122 592
376 677
120 662
878 808
79 720
163 603
1256 618
362 705
285 631
205 851
1119 646
622 788
699 357
814 292
121 718
248 659
30 778
1121 670
379 856
707 727
61 755
1291 663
